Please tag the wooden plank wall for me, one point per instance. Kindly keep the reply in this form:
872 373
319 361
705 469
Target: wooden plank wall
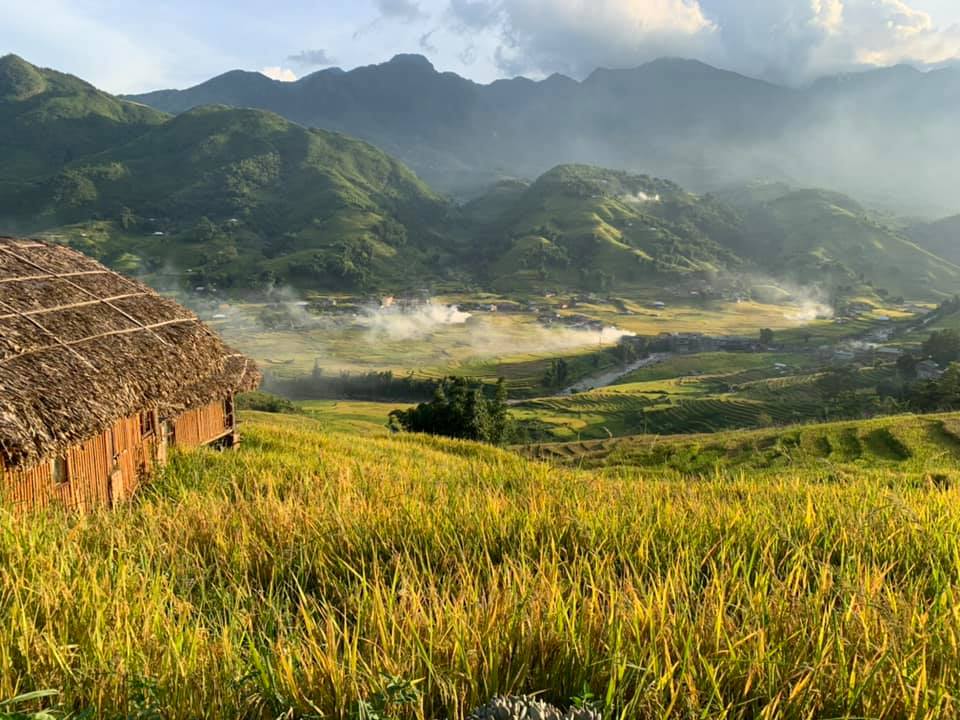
109 468
101 470
202 426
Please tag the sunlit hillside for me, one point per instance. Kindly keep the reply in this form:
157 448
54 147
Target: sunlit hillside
321 575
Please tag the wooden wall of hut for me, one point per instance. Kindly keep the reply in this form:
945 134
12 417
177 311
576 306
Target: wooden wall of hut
205 425
109 468
102 471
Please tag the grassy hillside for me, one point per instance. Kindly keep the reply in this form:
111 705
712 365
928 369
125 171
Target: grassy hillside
596 228
704 393
245 199
285 203
826 238
878 134
48 119
941 238
600 229
308 573
918 448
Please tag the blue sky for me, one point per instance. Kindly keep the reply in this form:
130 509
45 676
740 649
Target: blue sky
134 45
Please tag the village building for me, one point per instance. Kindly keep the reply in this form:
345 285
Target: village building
99 376
928 370
888 353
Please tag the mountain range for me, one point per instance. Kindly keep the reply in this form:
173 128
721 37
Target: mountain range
242 199
236 197
877 134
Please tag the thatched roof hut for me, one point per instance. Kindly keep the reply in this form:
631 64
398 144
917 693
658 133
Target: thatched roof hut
82 347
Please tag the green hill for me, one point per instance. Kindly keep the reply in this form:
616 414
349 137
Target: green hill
941 238
584 226
244 199
235 198
878 134
821 237
48 119
298 206
593 228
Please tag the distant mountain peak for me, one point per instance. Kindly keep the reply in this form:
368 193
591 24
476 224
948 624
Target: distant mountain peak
232 76
412 60
19 80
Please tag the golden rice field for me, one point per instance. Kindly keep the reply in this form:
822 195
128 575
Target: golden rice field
323 575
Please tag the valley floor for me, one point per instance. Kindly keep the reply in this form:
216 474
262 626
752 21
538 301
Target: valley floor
313 574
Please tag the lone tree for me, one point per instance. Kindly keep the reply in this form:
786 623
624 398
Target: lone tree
766 337
459 409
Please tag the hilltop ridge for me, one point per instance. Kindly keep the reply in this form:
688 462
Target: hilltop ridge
873 133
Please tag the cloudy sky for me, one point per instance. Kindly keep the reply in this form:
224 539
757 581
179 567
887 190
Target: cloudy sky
125 46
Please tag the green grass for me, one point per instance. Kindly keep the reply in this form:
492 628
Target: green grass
916 447
352 417
297 576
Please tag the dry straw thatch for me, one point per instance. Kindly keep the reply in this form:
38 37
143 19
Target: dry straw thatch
82 347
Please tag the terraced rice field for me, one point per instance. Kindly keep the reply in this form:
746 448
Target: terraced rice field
924 448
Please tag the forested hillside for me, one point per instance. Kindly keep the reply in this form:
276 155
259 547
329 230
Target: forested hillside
682 119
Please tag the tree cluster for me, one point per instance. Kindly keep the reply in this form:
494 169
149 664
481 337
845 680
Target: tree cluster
943 347
557 374
459 409
371 386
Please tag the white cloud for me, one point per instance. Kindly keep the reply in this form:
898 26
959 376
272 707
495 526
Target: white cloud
577 36
891 31
279 73
783 40
827 14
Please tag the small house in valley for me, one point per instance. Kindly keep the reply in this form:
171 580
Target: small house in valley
99 376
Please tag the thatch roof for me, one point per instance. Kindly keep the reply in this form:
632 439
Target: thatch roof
82 347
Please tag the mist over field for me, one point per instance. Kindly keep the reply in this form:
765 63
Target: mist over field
409 323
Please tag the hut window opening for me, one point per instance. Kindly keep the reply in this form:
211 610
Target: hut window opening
148 425
60 470
229 421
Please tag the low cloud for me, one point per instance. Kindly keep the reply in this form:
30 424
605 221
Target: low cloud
312 58
641 198
279 73
892 32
